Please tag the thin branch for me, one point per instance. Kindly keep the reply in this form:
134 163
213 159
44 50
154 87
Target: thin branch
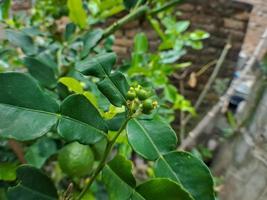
136 13
225 98
211 80
103 160
204 68
17 149
182 127
131 16
165 7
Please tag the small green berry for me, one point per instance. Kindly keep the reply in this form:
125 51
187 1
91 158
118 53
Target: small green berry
131 95
148 104
142 94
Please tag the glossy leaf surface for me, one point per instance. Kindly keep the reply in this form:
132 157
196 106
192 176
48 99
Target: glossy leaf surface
76 12
26 112
81 121
22 40
41 71
7 171
32 184
90 40
99 66
118 173
151 138
162 188
40 151
115 88
186 169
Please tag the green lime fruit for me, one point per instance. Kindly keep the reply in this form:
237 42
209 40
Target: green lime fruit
147 106
131 95
142 94
76 159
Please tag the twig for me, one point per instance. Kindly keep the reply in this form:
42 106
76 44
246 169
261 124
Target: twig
210 81
103 160
225 98
165 7
17 149
131 16
182 127
204 68
68 193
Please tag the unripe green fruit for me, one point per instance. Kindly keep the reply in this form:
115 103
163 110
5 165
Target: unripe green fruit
148 104
131 95
142 94
76 159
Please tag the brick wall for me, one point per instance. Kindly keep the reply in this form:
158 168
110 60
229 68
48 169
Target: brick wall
220 18
257 25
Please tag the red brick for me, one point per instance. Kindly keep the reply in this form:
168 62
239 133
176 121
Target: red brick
123 42
119 50
186 7
234 24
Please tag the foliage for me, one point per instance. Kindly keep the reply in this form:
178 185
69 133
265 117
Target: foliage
73 92
4 9
156 67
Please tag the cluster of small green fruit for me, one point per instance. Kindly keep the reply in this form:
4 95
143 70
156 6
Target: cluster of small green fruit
139 99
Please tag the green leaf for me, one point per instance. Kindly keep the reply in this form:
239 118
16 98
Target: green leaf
8 171
75 86
171 56
24 108
99 66
21 40
76 12
196 45
99 149
170 93
151 138
140 43
118 173
199 35
182 26
70 30
90 39
115 88
81 121
189 171
115 123
158 189
40 151
26 112
4 9
129 3
41 71
48 60
72 84
32 184
3 194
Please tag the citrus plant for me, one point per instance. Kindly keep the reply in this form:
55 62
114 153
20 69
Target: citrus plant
29 112
70 109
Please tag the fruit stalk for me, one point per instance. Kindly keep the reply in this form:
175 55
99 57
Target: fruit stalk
103 160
